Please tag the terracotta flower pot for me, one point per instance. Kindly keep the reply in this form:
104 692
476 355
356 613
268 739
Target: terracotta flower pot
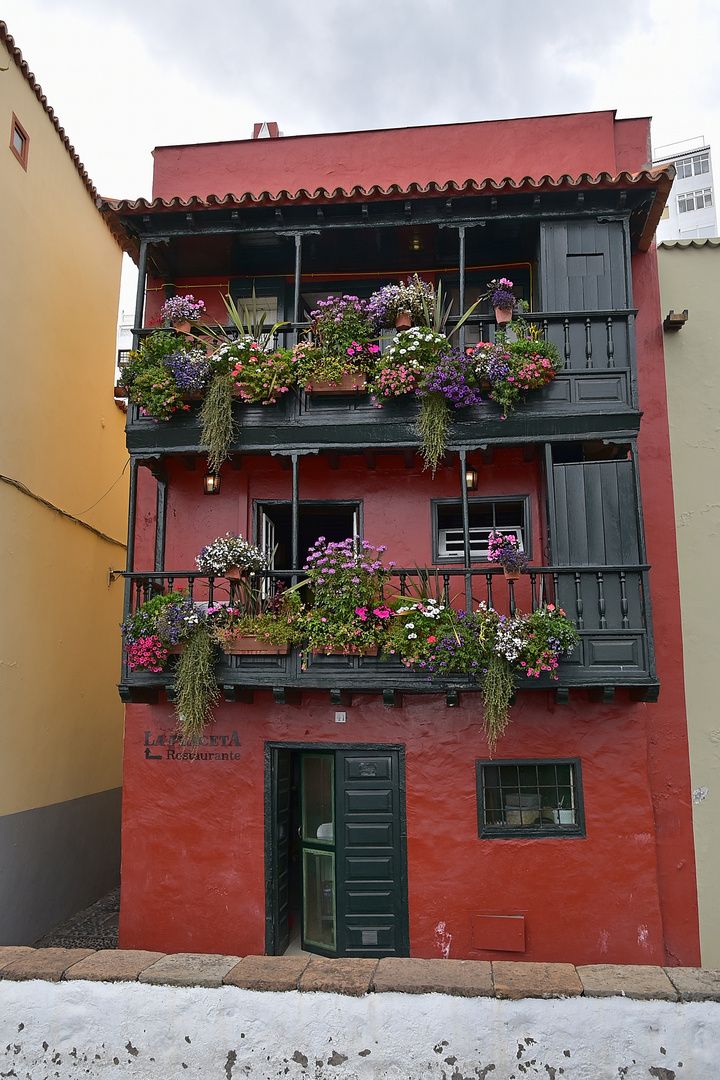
511 575
349 384
403 320
503 316
247 645
233 573
182 326
175 650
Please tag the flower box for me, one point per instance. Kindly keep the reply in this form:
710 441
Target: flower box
246 645
349 384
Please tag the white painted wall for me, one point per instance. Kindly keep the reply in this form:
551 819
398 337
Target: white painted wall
81 1029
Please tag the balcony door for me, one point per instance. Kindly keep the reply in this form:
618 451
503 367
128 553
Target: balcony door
336 520
336 850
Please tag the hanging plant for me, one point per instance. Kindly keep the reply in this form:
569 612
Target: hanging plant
219 428
196 690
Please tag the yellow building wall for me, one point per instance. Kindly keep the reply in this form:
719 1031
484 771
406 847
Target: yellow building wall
690 278
62 437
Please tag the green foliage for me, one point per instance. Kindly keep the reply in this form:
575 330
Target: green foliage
218 424
250 322
433 424
196 691
145 621
498 687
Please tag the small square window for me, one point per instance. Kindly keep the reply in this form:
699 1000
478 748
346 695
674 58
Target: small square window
19 141
529 798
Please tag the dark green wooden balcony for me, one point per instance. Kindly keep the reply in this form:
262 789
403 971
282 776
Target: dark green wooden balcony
592 397
608 604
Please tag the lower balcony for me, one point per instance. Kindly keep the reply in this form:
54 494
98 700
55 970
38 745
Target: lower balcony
609 607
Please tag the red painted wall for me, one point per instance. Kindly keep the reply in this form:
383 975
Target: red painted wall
534 146
193 832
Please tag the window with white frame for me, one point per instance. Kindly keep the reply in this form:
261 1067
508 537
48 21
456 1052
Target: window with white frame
693 165
509 515
694 200
529 798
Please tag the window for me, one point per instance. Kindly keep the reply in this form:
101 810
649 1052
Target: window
529 798
506 515
693 165
19 141
694 200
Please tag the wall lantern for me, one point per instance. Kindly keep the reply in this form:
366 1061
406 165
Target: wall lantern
211 484
471 478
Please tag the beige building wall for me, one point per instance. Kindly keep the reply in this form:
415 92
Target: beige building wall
62 524
690 278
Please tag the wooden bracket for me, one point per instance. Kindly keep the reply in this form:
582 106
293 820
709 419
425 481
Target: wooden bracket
341 697
392 699
452 698
562 695
284 695
645 693
603 694
238 693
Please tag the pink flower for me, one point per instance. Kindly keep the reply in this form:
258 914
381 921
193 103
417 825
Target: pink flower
382 612
362 612
432 640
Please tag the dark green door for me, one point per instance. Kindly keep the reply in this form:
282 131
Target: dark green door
370 891
352 861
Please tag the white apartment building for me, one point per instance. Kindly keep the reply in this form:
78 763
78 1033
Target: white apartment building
690 210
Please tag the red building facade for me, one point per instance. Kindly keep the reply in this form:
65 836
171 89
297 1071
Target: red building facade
416 861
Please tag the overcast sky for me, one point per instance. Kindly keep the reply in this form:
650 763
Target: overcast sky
126 76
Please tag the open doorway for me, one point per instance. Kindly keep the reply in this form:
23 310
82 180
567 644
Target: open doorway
336 874
334 520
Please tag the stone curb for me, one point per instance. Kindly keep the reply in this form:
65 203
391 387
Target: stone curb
360 976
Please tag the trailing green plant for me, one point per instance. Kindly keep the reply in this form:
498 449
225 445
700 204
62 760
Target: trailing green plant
496 692
433 424
196 689
219 427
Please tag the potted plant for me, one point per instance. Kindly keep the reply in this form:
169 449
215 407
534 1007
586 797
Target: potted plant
163 373
504 548
342 349
157 628
449 381
231 557
264 626
409 303
245 343
348 613
514 368
499 293
182 311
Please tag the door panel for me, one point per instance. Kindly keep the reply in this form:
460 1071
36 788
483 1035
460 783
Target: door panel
371 901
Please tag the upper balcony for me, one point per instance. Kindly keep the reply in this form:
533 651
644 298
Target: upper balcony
566 244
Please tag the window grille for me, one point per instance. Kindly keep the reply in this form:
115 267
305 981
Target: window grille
529 798
507 515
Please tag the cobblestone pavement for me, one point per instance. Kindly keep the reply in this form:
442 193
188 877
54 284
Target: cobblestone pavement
95 927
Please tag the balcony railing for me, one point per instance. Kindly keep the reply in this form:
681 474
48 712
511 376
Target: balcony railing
593 393
608 604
